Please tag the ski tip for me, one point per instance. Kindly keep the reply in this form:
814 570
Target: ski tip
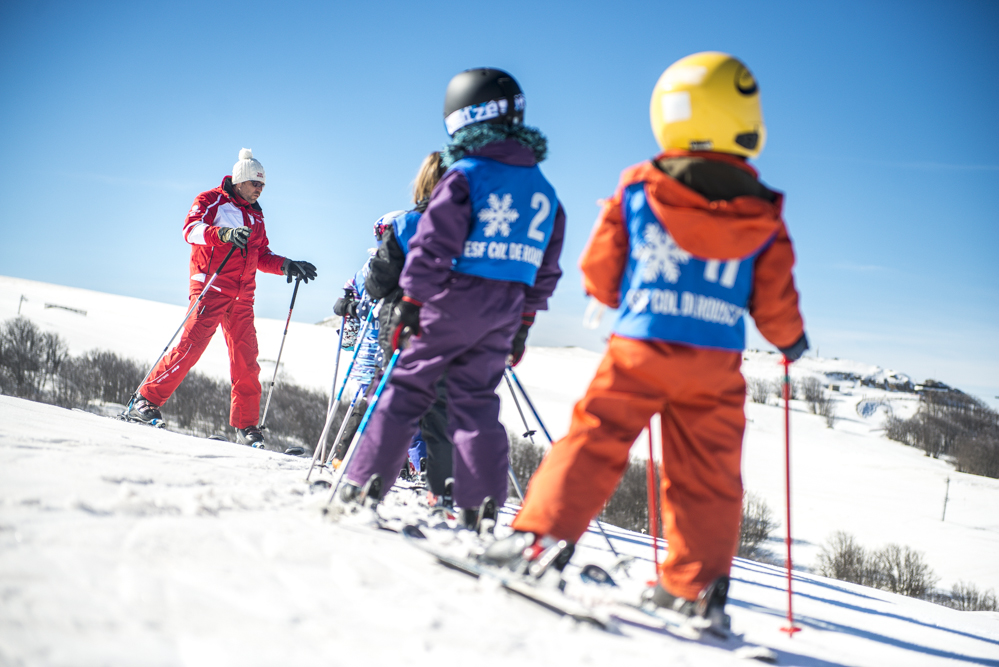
295 451
219 438
761 653
413 532
594 574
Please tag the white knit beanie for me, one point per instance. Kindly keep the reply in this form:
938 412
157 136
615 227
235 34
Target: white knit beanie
247 169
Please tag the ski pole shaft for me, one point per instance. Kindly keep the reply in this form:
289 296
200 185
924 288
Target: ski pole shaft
277 364
336 369
357 349
653 503
510 374
528 431
336 360
527 398
516 483
342 470
343 424
326 427
190 311
790 629
334 400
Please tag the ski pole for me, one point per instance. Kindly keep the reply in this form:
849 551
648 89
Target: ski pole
336 360
277 364
194 305
653 503
330 410
322 438
791 628
343 424
537 417
516 483
342 470
528 433
357 349
527 398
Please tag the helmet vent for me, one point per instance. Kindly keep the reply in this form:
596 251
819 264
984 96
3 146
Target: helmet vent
748 140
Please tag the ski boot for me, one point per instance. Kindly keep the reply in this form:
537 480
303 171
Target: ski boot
362 496
530 555
481 519
443 505
141 409
251 436
708 608
423 470
356 504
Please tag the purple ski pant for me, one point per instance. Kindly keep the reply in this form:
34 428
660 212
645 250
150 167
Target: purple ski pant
467 330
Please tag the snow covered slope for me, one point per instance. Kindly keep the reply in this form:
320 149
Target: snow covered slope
139 330
125 545
847 478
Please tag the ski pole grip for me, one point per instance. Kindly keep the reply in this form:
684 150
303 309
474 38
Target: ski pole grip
294 293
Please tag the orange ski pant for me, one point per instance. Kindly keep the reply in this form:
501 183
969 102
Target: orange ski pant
236 318
699 394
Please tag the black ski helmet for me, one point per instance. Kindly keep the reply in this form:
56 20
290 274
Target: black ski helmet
482 95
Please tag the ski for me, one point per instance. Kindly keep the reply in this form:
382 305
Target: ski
642 615
550 599
155 423
293 450
694 629
607 609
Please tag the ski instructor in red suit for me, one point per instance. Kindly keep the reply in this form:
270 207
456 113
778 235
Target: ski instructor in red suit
228 215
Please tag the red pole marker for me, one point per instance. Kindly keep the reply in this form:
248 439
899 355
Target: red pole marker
653 505
791 628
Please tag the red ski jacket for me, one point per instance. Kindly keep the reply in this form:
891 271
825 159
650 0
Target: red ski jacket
213 210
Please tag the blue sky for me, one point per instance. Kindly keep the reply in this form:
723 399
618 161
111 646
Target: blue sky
881 130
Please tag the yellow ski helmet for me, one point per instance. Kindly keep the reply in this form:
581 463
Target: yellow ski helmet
708 102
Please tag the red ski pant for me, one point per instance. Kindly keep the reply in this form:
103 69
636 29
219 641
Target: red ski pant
699 394
236 318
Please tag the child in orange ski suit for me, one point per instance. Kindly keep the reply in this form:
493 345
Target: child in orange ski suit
704 213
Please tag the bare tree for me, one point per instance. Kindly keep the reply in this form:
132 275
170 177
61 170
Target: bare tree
758 524
967 597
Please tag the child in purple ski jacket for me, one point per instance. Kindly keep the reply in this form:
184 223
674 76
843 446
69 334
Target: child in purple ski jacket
483 261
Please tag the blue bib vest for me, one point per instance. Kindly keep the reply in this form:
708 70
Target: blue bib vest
670 295
513 214
369 357
404 227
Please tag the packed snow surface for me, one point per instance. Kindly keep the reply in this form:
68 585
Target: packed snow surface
123 544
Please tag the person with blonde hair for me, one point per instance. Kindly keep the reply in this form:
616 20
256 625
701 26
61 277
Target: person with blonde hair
379 280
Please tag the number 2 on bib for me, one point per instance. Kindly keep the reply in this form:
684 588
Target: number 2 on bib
539 201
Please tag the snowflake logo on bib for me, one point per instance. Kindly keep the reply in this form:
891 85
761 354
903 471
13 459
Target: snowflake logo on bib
659 254
498 216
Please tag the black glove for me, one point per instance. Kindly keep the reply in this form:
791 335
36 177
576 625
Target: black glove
238 236
302 270
405 322
346 306
794 352
520 339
